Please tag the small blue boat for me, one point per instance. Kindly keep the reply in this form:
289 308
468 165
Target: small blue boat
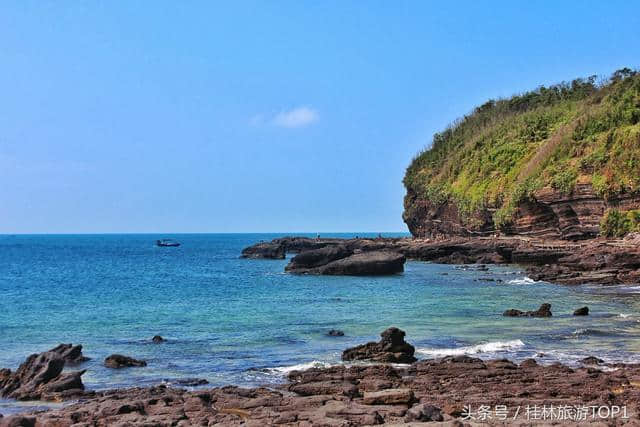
167 243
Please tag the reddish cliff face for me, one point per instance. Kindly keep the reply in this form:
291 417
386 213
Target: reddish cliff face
551 215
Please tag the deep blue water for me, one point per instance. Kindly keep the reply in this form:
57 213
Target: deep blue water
245 322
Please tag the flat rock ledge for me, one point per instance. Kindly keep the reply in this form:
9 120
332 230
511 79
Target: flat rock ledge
432 390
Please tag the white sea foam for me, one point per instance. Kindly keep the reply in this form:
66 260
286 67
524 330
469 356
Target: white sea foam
300 367
522 281
490 347
624 315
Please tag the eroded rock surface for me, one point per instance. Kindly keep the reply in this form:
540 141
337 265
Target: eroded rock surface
433 390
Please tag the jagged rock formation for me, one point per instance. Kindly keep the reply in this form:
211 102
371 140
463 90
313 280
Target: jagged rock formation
40 376
392 348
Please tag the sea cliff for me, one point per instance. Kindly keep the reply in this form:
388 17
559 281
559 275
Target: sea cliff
550 163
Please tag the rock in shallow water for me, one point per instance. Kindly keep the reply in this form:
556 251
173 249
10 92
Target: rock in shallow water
117 361
158 339
335 333
392 348
543 311
583 311
338 260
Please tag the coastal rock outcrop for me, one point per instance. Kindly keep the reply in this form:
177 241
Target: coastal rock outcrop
268 250
543 311
117 361
392 348
314 258
600 260
338 260
429 390
40 376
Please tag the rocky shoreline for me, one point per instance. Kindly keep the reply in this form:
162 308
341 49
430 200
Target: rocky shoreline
455 390
601 261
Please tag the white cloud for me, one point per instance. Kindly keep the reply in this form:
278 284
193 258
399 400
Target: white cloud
295 118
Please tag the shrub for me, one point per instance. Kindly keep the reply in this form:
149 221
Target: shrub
617 223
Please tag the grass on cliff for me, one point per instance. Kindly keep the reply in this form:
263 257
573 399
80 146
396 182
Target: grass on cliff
507 149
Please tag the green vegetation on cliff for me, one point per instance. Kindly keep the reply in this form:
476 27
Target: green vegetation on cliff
617 223
556 136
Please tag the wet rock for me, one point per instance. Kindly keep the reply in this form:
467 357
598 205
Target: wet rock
266 250
335 333
543 311
424 412
591 360
40 375
583 311
392 348
117 361
157 339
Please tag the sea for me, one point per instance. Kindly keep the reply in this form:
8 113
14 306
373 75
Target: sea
246 322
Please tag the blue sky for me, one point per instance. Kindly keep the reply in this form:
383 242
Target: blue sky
140 116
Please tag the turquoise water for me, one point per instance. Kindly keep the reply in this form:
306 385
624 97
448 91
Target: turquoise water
238 321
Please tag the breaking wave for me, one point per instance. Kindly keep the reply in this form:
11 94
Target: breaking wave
490 347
